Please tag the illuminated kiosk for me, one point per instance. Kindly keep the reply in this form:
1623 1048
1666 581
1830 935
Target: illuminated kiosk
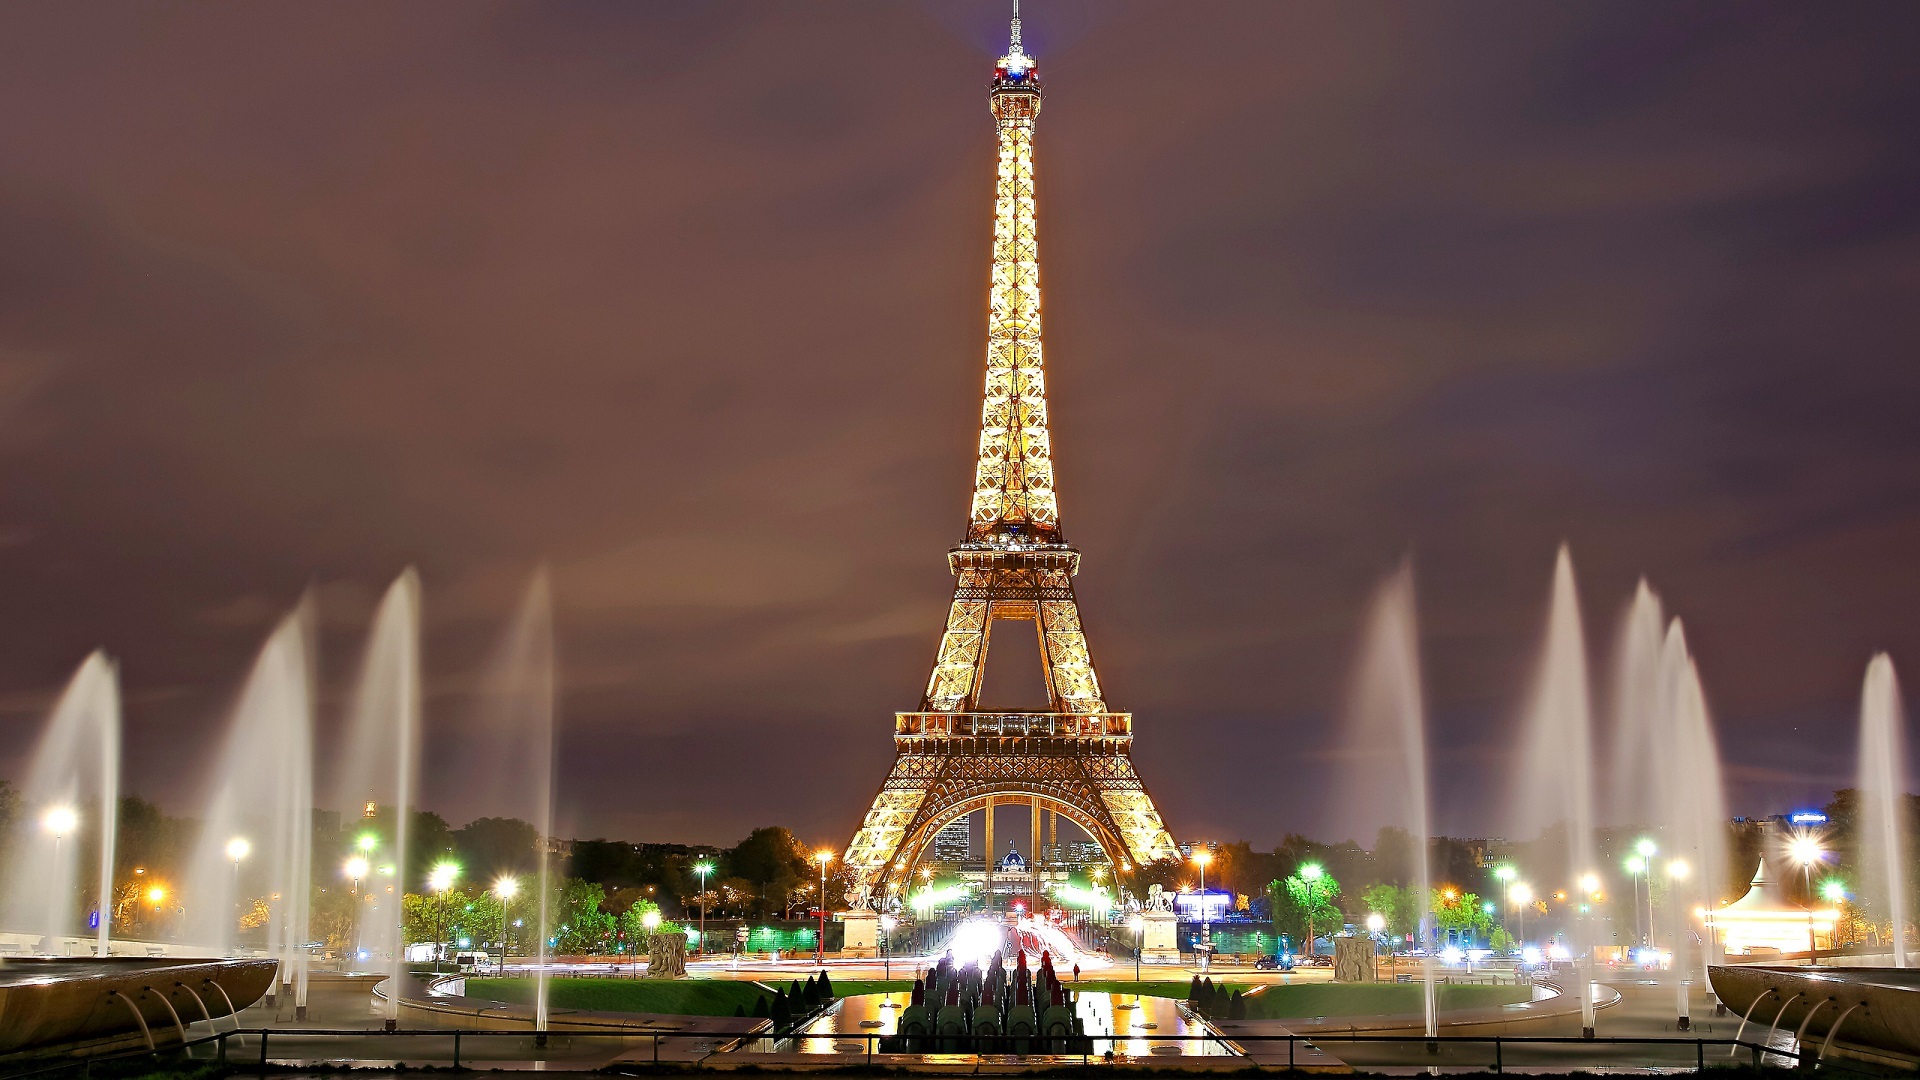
1762 920
1074 757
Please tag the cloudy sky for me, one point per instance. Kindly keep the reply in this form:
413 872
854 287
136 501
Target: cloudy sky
687 302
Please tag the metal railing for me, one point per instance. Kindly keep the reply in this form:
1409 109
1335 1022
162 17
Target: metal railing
251 1049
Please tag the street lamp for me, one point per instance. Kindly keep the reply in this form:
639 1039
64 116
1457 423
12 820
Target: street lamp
823 857
1138 925
1311 874
703 868
1521 894
440 879
1201 858
59 821
1805 849
887 923
356 869
505 888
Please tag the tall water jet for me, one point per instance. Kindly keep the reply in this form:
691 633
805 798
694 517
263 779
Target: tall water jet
1690 805
1665 774
1883 788
1387 741
1637 745
381 764
1557 769
507 759
78 756
260 815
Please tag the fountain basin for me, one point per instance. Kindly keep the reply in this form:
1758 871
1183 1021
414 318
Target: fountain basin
57 1002
1887 1020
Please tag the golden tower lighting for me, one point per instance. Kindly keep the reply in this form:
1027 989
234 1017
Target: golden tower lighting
1073 756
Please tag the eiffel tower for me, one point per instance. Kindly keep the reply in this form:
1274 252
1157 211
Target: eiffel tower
1074 758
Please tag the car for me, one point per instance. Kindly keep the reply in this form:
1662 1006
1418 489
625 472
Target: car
1313 960
1273 963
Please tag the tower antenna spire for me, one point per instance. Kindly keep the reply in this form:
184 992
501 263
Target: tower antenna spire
1016 27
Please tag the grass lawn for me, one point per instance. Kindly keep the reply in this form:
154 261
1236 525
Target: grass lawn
682 997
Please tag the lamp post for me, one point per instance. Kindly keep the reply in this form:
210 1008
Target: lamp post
238 848
1377 922
1504 874
1201 858
1636 866
823 857
1311 873
59 821
1805 849
887 923
703 868
1521 894
1139 927
505 888
440 879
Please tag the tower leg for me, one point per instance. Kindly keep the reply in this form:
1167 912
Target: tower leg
1033 878
990 855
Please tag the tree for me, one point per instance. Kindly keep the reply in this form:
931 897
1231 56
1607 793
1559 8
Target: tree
578 923
491 846
1310 893
1395 904
773 861
1460 912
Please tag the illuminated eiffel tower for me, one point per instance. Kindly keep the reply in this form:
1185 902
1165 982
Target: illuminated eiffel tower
1074 758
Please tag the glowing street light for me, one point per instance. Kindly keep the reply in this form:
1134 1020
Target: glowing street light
1804 848
887 923
1833 890
1678 869
356 869
59 821
1376 922
367 842
1201 858
703 868
1138 925
440 880
650 920
823 857
1521 895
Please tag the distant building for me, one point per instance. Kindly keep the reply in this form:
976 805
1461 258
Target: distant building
954 844
1076 854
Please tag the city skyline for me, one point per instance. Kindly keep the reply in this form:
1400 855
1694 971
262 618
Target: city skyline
1345 286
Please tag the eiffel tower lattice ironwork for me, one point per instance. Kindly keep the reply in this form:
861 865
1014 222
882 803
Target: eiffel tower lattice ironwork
1075 757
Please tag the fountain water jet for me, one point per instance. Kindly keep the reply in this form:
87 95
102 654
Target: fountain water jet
381 764
1883 788
262 809
78 755
507 758
1388 729
1666 774
1557 767
1691 804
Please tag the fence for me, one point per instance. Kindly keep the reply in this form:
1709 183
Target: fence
244 1049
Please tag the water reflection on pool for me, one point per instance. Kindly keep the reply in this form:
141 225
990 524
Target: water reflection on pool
1145 1027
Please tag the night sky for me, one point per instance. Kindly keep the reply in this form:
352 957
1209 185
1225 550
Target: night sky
688 301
